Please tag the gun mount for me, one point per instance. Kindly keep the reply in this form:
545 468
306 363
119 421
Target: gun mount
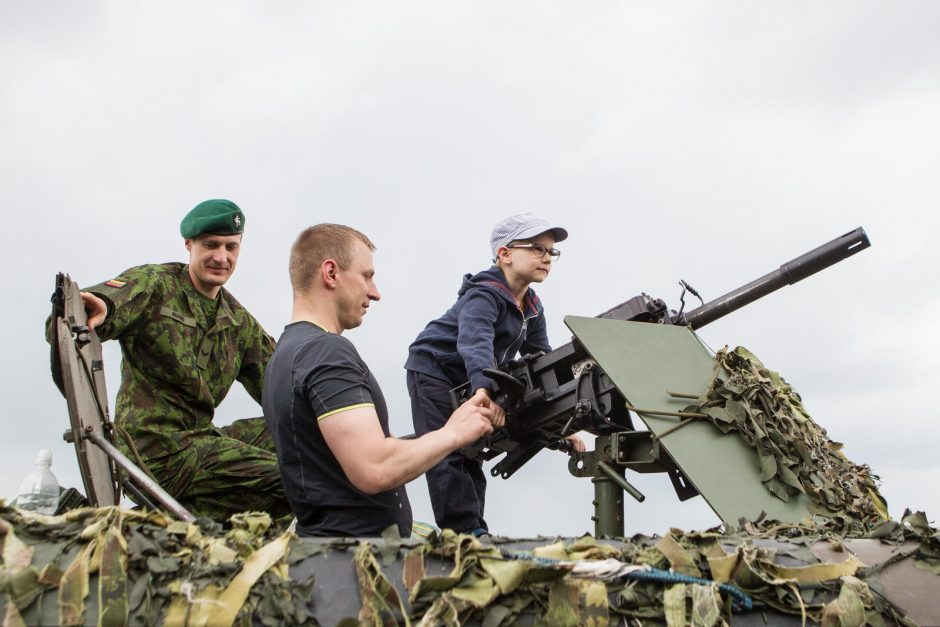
550 396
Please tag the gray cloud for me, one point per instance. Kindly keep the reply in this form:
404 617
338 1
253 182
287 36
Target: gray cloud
707 143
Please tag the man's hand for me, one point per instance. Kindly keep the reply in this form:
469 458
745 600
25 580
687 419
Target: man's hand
472 420
499 414
96 309
577 444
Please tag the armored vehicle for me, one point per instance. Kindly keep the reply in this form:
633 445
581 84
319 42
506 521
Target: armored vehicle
805 533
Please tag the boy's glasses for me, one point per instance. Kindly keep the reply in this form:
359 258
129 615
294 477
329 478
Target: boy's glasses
538 250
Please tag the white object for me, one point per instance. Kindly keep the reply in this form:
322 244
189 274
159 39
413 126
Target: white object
39 491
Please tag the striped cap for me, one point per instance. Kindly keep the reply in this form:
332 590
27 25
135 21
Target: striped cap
522 226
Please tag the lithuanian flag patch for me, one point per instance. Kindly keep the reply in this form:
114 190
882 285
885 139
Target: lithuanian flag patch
115 283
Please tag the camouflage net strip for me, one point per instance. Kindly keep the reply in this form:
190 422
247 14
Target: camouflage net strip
796 455
488 587
150 570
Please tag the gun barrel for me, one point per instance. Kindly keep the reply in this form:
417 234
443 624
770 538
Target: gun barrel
789 273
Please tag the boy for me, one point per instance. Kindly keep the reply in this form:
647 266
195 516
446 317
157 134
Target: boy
496 316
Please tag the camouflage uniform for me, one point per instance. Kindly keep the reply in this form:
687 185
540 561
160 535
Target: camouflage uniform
175 371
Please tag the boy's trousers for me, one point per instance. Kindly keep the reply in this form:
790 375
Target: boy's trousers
457 485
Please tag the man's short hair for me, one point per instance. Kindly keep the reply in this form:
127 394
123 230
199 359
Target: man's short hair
318 243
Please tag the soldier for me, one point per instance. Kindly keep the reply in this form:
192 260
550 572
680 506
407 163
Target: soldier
185 340
343 472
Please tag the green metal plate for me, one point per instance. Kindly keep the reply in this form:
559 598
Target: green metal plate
645 361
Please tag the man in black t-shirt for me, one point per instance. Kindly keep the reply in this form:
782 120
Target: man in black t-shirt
343 472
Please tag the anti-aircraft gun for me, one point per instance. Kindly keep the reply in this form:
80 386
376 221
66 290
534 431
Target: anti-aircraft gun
595 383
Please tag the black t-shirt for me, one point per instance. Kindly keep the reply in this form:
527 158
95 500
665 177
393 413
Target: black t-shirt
312 375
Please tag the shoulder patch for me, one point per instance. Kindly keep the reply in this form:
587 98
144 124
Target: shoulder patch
115 283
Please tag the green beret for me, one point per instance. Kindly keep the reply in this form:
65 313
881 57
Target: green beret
219 217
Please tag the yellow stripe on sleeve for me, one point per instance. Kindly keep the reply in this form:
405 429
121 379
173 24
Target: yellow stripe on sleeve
342 409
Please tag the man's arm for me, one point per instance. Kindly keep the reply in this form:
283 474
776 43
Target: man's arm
98 309
257 348
374 463
125 302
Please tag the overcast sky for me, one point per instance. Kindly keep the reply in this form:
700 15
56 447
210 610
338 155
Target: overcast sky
701 141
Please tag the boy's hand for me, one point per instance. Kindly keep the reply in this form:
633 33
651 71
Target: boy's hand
499 414
472 420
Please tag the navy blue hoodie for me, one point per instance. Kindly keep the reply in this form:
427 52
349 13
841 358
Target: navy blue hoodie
484 329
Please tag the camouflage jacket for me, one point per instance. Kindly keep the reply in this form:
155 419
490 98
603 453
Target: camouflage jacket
175 371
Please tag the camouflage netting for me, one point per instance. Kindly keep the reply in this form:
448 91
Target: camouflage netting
111 567
149 569
491 586
795 453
